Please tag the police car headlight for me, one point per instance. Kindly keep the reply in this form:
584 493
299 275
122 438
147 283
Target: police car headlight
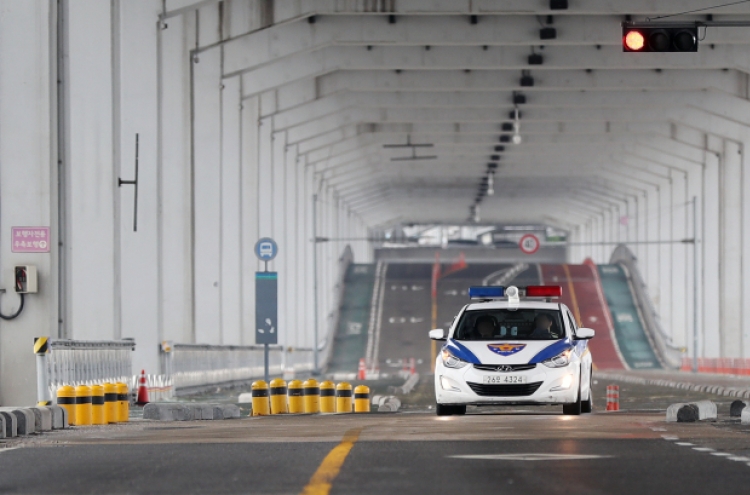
559 361
451 361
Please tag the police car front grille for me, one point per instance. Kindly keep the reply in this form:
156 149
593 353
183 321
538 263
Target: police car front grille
505 367
515 390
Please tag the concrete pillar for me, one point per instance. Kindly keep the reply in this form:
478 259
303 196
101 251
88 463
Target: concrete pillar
711 334
250 217
28 195
730 258
745 255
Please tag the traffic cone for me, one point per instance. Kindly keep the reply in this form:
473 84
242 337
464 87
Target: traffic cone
412 366
613 398
142 390
362 370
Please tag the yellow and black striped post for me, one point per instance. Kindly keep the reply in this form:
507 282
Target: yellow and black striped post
97 405
327 397
123 402
311 393
278 396
41 348
294 394
66 398
83 405
362 399
110 403
261 407
343 398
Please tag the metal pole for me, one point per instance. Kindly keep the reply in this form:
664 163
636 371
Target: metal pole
265 358
695 284
315 281
41 348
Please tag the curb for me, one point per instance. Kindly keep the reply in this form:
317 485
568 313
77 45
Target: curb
711 389
738 407
745 418
386 403
692 411
23 421
170 411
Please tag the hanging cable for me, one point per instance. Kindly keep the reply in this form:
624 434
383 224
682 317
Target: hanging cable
14 315
698 10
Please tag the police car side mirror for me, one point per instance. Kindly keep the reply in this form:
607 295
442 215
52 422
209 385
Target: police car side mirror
438 334
584 334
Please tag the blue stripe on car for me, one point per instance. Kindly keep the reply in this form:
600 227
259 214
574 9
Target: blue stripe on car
462 352
552 351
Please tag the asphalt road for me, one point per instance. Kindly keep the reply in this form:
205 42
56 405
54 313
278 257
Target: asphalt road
521 450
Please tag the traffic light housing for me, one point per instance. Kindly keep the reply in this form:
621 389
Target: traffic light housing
651 37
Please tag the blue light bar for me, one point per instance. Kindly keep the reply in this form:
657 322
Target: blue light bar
495 292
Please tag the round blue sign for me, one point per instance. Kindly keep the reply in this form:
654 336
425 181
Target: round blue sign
266 249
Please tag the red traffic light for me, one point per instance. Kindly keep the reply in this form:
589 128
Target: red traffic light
659 37
634 41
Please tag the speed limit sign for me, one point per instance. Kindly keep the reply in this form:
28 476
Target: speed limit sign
529 244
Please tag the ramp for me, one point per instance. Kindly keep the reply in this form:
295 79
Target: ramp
350 342
583 295
632 339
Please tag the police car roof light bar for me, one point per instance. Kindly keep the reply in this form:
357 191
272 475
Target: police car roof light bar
491 292
543 291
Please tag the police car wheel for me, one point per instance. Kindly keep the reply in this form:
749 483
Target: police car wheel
588 405
446 410
574 409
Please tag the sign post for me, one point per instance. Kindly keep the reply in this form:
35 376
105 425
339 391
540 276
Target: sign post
266 299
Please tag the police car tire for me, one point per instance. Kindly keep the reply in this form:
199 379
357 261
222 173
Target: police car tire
587 406
446 410
574 409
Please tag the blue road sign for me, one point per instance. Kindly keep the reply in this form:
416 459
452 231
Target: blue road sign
266 308
266 249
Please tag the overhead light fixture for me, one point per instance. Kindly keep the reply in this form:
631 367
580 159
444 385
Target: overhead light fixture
504 138
519 99
558 4
507 126
514 114
499 148
535 59
494 157
547 33
492 166
409 144
413 157
527 81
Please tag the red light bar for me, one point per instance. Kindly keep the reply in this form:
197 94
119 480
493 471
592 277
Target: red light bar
544 291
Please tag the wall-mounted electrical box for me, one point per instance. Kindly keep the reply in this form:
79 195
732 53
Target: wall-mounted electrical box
26 280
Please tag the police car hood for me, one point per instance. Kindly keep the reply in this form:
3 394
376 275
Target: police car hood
507 352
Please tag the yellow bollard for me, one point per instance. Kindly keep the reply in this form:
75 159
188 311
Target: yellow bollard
123 402
278 396
362 399
327 397
294 394
83 405
66 398
343 398
97 405
110 403
261 407
311 393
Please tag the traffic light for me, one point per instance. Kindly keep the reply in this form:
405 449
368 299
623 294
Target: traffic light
648 37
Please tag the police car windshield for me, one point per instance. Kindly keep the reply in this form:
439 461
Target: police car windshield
505 324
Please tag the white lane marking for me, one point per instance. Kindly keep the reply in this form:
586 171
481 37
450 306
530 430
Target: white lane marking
721 454
739 458
658 429
704 449
671 439
684 444
531 457
8 449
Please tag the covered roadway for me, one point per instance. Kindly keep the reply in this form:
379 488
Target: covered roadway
396 151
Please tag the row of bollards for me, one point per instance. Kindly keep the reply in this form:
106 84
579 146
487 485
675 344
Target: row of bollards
95 405
308 397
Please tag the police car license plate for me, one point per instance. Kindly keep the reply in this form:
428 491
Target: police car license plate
501 379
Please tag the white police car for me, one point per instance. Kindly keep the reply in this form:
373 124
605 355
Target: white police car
513 346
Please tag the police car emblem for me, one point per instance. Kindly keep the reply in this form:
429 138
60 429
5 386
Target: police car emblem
506 349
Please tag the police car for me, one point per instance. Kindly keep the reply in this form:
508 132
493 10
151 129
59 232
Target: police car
513 346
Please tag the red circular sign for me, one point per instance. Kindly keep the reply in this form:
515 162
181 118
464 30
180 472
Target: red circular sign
529 244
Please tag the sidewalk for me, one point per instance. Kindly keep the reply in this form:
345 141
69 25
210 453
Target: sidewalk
726 385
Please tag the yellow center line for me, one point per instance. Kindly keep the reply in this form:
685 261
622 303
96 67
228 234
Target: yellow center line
321 481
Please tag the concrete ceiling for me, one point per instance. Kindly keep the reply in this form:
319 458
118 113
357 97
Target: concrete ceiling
339 79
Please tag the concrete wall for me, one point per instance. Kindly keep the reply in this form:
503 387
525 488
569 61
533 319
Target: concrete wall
216 172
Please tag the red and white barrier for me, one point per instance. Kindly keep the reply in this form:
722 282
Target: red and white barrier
613 397
724 366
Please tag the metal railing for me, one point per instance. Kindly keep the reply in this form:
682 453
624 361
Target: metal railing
83 362
189 368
